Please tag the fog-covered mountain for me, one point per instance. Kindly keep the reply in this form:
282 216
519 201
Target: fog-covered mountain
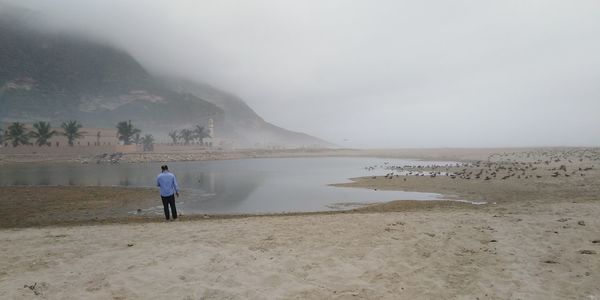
241 123
54 76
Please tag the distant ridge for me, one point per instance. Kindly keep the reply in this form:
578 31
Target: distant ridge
241 122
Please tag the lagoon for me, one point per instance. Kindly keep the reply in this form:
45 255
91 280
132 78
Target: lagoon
266 185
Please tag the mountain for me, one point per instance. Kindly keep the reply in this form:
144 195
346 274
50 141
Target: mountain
241 123
53 76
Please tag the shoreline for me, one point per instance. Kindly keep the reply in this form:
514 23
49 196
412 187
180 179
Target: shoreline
537 180
68 205
59 207
426 154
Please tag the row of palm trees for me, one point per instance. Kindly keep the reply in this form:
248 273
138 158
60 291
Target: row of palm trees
17 133
188 135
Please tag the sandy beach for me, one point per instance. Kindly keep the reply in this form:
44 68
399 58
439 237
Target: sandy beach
508 252
538 237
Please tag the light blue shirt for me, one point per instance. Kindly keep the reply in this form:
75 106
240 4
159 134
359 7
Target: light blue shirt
167 183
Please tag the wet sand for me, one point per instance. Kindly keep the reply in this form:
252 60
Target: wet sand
540 240
196 154
30 206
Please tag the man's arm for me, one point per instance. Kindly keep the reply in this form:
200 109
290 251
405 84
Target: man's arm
176 185
157 182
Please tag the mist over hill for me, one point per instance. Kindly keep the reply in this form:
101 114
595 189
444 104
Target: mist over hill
241 123
55 76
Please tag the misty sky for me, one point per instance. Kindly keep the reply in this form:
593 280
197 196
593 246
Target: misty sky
375 73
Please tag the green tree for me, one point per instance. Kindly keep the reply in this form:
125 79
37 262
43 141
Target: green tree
174 135
148 142
17 134
200 133
126 131
71 131
42 133
186 135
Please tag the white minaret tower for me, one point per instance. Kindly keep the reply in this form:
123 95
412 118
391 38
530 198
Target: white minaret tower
211 127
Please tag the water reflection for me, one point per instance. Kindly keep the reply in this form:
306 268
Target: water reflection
232 186
223 191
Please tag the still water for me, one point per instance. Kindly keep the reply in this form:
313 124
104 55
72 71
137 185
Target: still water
234 186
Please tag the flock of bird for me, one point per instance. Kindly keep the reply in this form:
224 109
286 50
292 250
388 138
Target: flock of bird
503 166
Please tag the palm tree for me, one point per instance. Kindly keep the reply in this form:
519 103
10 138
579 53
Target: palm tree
187 135
16 133
42 133
148 142
71 131
174 135
126 131
200 134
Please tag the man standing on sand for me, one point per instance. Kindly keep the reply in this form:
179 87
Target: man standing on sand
167 183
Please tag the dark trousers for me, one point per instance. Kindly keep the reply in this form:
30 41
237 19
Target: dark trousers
169 201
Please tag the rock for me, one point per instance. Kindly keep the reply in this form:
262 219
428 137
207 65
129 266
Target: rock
587 252
596 241
129 245
562 220
493 241
582 223
549 261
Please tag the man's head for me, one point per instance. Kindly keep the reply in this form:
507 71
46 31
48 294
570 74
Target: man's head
164 168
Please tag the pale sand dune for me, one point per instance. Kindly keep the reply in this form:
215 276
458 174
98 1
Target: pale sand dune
426 254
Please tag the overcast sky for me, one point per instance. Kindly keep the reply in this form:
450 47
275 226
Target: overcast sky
376 73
